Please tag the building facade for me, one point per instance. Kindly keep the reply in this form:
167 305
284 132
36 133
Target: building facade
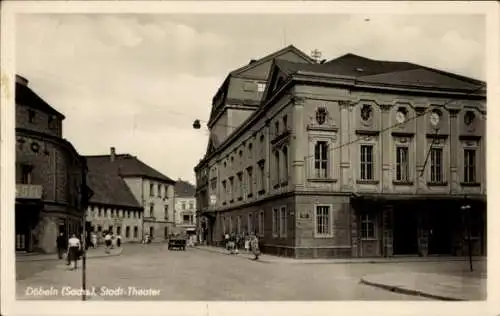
354 157
49 175
112 207
185 207
153 191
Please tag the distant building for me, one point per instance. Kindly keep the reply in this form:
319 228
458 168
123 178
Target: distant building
153 191
185 207
49 174
113 207
353 157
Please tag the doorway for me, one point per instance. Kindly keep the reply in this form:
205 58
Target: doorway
441 224
405 226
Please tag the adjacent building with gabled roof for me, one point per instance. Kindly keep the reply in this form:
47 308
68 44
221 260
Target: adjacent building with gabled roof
131 198
185 207
352 157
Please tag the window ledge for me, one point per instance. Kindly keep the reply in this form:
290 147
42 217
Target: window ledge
399 182
367 181
470 184
322 180
437 184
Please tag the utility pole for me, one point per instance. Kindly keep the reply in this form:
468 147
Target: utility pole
86 194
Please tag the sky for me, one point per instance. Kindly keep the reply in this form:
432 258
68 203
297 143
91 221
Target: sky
137 82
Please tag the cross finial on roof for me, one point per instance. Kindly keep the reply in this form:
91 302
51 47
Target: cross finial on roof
316 55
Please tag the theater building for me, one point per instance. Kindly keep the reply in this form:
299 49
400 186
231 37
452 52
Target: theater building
353 157
49 175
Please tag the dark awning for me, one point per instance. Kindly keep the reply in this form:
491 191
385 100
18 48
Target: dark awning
377 198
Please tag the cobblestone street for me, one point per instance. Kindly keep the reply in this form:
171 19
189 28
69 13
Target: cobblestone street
200 275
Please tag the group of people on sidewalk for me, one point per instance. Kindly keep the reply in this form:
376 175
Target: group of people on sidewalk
250 242
72 247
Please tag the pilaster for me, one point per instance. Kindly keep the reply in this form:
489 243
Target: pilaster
297 144
386 150
421 148
454 147
345 161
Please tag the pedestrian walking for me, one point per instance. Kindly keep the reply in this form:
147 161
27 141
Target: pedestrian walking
254 246
247 243
226 240
74 250
62 245
94 240
107 241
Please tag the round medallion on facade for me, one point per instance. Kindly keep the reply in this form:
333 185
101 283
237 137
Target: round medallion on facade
435 118
366 112
321 115
401 115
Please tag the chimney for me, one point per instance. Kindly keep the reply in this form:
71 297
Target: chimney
112 153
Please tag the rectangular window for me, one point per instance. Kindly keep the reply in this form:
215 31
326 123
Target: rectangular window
262 175
166 213
110 228
283 219
52 122
240 184
321 160
185 219
402 165
119 230
166 191
26 174
367 162
261 87
230 224
276 129
249 181
136 231
261 223
250 223
323 221
151 231
191 205
231 188
31 116
367 226
99 228
151 210
436 165
276 223
151 189
285 164
139 215
277 167
127 232
183 205
285 123
469 165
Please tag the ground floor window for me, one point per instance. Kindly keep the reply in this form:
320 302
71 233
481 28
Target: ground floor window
275 222
261 223
151 231
110 229
166 232
323 221
367 226
136 231
127 232
119 230
282 222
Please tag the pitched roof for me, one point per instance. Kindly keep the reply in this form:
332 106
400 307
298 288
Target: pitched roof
184 189
126 165
255 62
109 188
26 96
385 72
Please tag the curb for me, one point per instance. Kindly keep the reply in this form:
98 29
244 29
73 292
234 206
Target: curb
57 259
234 256
401 290
350 261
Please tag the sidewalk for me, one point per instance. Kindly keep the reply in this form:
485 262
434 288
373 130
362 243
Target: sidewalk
91 253
264 258
431 285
